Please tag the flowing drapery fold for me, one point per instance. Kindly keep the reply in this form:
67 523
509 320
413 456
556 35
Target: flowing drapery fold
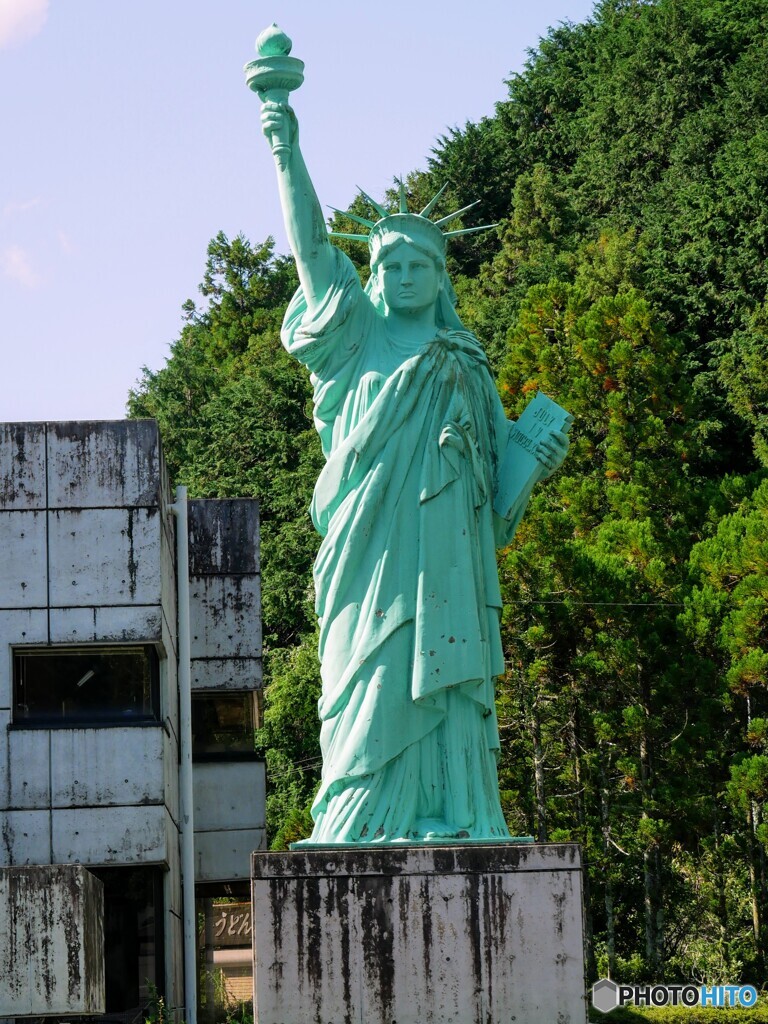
406 583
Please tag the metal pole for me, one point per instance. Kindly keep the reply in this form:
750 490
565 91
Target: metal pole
179 509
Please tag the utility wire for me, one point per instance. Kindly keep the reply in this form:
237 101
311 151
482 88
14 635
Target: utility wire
285 772
607 604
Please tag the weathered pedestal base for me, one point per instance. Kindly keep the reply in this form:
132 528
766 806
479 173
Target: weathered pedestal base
459 934
51 941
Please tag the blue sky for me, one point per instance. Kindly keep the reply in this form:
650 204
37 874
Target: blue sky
129 139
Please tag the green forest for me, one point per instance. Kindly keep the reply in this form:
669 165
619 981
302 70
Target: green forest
627 167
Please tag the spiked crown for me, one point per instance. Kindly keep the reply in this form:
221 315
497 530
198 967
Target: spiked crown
416 226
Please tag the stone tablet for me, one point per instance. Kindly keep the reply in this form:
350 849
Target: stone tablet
520 468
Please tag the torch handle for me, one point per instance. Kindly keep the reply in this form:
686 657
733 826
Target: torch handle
280 140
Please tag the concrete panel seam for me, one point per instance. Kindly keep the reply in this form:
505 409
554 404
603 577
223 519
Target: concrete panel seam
50 780
102 806
47 539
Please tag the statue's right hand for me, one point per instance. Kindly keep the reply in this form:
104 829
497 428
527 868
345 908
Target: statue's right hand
275 117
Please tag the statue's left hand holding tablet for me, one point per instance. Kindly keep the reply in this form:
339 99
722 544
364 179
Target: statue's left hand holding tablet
551 451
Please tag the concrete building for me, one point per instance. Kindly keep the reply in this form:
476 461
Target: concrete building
91 738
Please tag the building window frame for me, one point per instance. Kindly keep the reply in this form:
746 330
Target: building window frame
210 739
87 661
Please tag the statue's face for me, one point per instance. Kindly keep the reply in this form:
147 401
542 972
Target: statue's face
410 280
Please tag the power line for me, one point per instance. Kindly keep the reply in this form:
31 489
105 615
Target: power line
606 604
285 772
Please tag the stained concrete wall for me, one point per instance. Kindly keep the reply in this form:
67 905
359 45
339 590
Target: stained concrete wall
230 819
52 950
225 612
87 556
467 934
225 594
83 512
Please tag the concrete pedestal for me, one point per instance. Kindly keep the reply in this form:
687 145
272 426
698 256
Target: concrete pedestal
465 934
52 945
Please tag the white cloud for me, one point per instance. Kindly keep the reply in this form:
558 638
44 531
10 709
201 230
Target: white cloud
20 206
20 20
16 265
66 244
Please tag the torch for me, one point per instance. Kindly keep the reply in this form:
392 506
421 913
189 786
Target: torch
273 75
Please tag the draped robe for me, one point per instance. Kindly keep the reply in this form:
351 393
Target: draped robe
407 590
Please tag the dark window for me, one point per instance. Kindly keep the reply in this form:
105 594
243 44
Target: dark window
134 963
223 725
133 936
71 685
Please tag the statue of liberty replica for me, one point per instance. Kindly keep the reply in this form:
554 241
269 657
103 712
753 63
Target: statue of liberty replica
422 484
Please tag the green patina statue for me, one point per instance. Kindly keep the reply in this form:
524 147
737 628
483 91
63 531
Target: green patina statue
416 495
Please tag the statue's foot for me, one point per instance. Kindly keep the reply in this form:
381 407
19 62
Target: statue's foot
434 828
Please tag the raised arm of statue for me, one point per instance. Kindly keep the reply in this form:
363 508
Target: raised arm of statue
304 223
274 75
